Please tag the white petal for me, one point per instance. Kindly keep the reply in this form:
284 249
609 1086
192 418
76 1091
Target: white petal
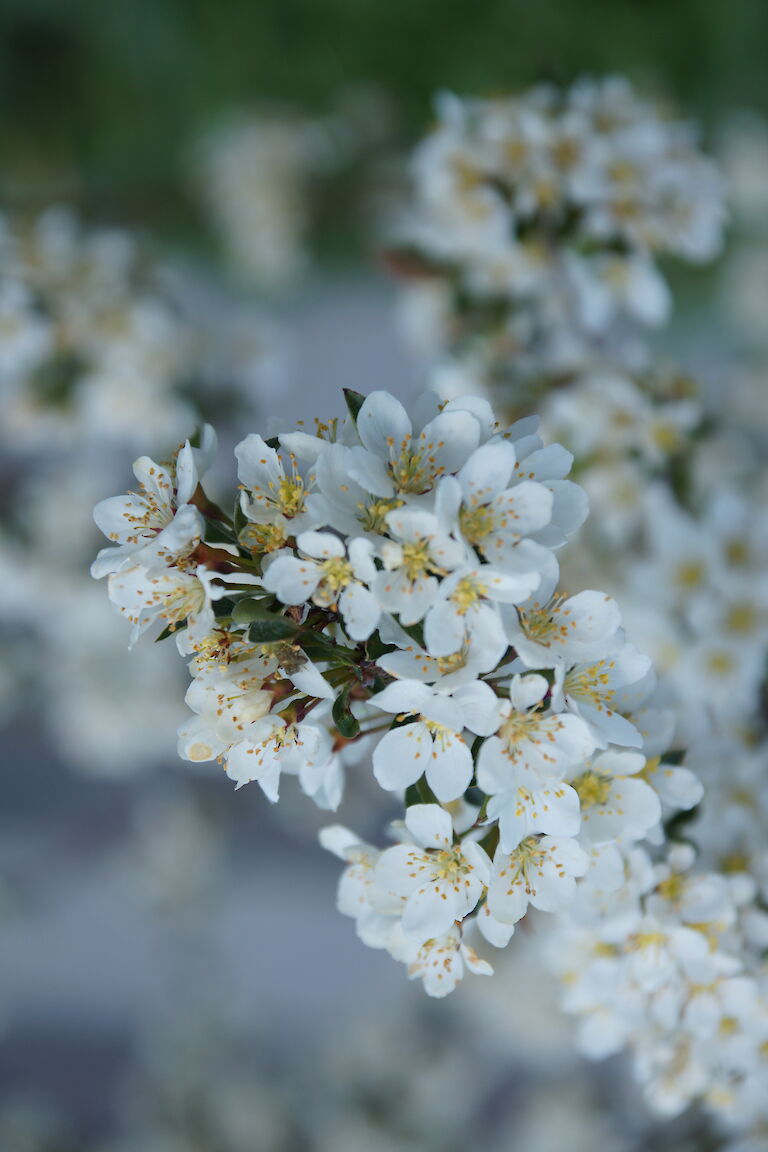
360 611
293 581
404 696
479 706
401 756
383 423
429 913
487 472
320 545
450 768
430 825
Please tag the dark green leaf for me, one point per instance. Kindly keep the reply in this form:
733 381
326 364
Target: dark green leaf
223 608
412 795
347 724
171 630
318 646
416 632
240 519
375 647
270 628
217 532
252 608
355 401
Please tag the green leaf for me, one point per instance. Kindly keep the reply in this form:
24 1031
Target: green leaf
240 519
171 630
320 647
252 608
412 795
375 647
217 532
223 608
347 724
416 632
355 401
271 628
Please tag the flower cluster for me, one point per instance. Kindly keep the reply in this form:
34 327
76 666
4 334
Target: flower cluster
389 586
98 342
101 346
669 965
538 220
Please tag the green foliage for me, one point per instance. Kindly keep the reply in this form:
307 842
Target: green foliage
101 101
346 722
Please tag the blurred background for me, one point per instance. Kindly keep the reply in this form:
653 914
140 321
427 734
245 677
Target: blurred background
200 194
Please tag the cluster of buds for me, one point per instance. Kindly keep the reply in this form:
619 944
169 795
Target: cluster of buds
386 591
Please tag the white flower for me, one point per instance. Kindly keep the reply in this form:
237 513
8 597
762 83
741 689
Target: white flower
608 284
496 516
565 630
170 596
273 746
331 576
226 702
614 804
276 503
432 743
589 690
530 742
421 551
395 460
436 881
464 609
409 661
678 788
158 525
438 962
541 871
353 897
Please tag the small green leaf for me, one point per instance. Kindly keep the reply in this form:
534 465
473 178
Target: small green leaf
412 795
217 532
375 647
271 628
171 630
355 401
252 608
347 724
320 647
416 632
239 518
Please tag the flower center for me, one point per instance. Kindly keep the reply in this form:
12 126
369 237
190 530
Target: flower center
527 856
590 684
374 516
539 623
449 865
466 594
520 726
477 523
592 788
336 574
741 618
290 495
260 538
416 558
690 573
